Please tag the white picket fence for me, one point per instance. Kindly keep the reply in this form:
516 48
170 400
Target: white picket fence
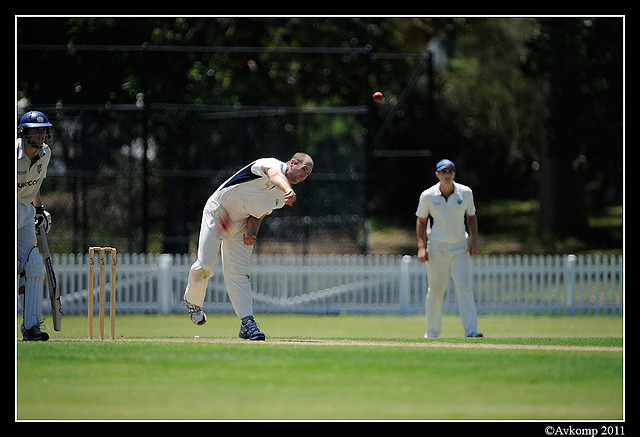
331 284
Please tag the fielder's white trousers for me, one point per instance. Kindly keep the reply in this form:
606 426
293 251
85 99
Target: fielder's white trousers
236 260
449 260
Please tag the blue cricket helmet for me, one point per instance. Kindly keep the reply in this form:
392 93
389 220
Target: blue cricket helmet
34 119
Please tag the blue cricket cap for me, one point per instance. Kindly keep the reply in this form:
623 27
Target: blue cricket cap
445 163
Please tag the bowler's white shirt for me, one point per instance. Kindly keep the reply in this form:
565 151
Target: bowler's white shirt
250 192
448 214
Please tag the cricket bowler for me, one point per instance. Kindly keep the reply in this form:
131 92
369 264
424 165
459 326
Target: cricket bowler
34 154
445 206
230 222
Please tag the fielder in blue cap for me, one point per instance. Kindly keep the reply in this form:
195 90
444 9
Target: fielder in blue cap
445 163
446 244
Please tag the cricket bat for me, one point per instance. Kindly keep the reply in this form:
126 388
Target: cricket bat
54 293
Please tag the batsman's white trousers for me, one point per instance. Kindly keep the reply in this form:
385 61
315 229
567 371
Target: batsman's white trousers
31 262
236 260
449 260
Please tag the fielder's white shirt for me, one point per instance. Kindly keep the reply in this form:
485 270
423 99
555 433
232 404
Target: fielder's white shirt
250 192
31 174
448 214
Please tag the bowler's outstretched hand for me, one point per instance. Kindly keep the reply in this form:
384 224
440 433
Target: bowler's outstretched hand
289 197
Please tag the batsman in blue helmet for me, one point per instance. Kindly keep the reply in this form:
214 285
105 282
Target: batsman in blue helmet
34 154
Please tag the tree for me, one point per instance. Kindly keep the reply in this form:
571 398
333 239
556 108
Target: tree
486 110
578 63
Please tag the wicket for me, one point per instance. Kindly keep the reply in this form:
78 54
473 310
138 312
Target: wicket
101 280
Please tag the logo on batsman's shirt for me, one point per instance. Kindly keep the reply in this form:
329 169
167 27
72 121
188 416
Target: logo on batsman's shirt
39 168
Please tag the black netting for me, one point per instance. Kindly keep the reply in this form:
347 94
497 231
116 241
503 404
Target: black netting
100 190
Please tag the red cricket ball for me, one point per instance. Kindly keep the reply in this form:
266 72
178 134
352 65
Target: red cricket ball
377 96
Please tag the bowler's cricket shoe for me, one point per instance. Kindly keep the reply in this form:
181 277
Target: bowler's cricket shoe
34 334
475 335
196 314
249 330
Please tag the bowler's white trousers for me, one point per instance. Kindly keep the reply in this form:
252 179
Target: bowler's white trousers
236 260
449 260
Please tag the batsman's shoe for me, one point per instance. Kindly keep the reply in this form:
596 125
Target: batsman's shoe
34 334
196 314
249 330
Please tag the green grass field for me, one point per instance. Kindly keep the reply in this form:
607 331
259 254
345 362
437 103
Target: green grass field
345 367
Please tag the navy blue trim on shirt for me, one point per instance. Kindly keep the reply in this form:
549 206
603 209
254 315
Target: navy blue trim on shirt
243 175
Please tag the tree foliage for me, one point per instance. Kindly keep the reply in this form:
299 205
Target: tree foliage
580 62
484 110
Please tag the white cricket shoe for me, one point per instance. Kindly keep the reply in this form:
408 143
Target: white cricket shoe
196 314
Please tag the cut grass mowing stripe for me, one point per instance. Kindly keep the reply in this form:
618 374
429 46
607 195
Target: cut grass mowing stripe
377 343
411 328
215 379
